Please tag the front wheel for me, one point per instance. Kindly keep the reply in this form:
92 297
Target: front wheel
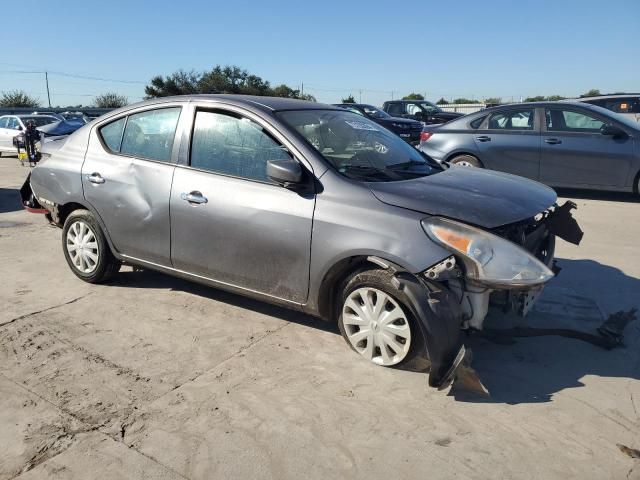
86 249
376 321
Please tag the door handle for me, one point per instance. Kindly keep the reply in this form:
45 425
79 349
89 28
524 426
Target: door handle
483 138
95 177
194 197
552 141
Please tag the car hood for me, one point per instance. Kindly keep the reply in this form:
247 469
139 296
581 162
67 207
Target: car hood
59 128
479 197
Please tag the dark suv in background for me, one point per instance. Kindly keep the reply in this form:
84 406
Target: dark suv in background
407 129
420 110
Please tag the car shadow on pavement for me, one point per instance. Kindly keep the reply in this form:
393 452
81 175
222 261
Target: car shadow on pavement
574 193
533 370
151 279
10 200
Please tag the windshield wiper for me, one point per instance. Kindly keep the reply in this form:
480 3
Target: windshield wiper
404 165
367 171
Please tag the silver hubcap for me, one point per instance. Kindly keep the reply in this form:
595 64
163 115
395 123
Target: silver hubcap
376 326
464 163
82 247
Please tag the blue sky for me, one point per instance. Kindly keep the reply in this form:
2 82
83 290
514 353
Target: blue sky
370 49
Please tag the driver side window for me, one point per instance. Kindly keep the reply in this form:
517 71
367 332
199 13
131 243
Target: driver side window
233 145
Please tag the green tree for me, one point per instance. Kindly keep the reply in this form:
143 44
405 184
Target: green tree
538 98
18 98
493 100
349 99
594 92
442 101
227 79
555 98
110 100
413 96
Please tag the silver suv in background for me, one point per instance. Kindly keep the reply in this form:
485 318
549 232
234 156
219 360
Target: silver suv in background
627 104
304 205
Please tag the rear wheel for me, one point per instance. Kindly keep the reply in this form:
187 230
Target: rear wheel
466 161
86 249
376 321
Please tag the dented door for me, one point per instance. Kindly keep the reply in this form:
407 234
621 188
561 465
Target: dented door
128 182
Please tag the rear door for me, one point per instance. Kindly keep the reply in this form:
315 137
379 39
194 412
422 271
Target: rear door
229 222
4 133
9 128
575 153
509 141
126 177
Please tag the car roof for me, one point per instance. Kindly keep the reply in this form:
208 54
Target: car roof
26 115
265 103
538 104
612 95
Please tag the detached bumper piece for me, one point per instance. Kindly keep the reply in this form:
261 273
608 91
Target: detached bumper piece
562 224
439 315
29 200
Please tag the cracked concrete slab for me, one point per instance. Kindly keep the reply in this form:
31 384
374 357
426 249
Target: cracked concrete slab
94 455
32 429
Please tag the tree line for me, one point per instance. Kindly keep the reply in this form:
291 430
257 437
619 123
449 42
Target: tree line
232 79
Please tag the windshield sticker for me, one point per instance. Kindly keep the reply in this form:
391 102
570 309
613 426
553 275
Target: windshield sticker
360 125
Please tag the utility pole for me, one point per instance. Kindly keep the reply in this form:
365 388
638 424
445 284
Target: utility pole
46 79
360 96
391 94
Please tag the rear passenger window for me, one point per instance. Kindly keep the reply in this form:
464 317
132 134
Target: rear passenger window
233 145
112 134
512 120
150 134
395 109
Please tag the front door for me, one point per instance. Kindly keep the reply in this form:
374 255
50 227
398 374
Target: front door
229 222
509 141
126 177
575 153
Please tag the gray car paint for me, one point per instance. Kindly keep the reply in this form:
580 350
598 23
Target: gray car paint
347 219
583 160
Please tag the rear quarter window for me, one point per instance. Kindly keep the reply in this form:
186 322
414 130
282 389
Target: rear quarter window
111 134
475 124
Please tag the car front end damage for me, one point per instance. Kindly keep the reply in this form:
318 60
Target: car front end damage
506 267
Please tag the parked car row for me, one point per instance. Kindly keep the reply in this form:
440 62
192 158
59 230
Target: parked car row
50 125
314 207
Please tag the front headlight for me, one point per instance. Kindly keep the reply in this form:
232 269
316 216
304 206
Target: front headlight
489 259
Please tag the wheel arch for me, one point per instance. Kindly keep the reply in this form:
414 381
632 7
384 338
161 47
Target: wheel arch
339 272
64 210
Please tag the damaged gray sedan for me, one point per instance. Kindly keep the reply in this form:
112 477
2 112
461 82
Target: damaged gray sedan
307 206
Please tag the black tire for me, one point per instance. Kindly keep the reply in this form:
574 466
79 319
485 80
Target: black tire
107 265
467 161
382 280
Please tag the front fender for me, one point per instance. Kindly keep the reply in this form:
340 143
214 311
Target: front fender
439 317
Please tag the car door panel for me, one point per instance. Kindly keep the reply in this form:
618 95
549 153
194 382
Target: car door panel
574 158
509 150
251 235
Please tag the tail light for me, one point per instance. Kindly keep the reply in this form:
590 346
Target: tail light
424 136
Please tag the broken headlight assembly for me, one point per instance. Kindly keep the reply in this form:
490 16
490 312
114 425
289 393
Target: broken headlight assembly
488 259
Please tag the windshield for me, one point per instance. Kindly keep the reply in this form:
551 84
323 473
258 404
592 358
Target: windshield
374 112
428 107
359 148
39 120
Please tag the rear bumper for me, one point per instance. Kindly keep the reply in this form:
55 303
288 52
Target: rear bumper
29 200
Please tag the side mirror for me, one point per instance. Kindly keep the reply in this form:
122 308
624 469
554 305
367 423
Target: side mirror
419 115
612 130
18 127
287 173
